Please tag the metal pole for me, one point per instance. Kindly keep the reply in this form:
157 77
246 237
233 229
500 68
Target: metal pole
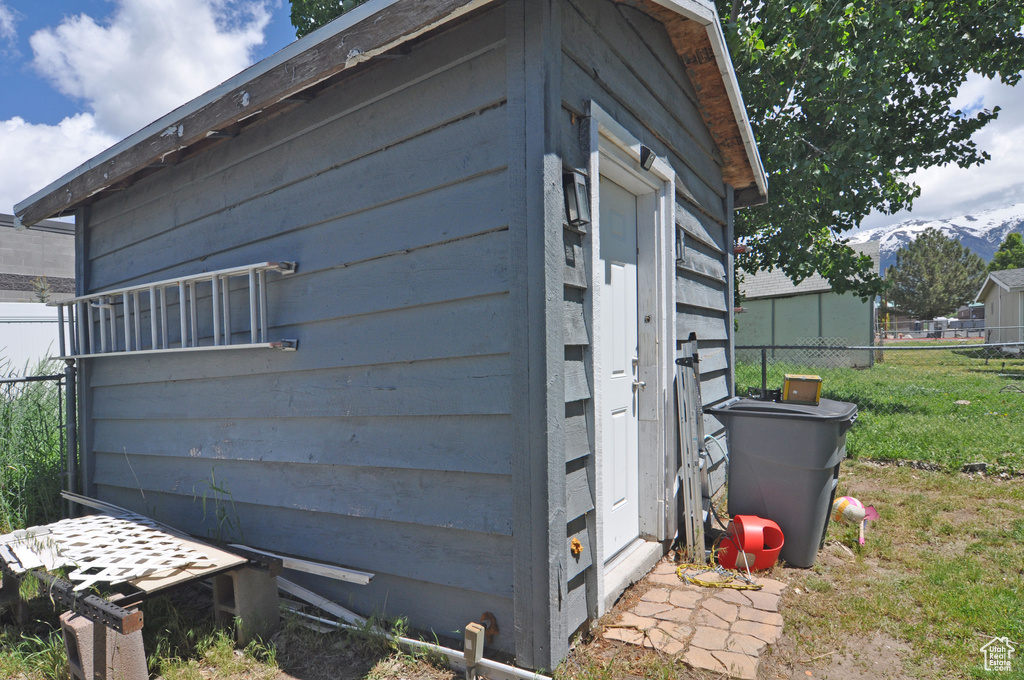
60 322
71 427
63 430
764 372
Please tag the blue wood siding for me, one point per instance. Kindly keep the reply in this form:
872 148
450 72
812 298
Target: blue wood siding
384 442
618 57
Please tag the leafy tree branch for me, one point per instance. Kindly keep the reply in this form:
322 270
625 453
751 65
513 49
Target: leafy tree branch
847 99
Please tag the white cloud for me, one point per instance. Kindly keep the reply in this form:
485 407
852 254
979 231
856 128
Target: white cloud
950 191
7 22
150 57
146 59
35 155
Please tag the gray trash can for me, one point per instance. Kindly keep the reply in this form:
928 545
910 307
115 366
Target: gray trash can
784 466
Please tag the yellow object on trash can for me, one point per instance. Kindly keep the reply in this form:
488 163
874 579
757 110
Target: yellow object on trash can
802 389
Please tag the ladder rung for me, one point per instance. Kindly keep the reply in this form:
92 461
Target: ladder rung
181 313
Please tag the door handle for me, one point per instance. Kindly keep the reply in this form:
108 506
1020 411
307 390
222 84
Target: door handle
639 385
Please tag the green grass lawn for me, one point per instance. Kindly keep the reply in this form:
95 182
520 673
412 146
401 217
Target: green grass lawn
942 571
908 406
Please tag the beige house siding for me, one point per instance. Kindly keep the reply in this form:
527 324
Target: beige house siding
1003 296
47 250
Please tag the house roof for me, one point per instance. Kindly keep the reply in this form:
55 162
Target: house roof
776 284
303 68
1007 279
46 225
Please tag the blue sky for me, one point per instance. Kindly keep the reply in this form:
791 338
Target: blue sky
77 76
23 92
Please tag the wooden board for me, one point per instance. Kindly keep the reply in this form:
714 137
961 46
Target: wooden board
575 332
704 264
689 506
394 336
454 444
700 227
703 324
164 580
464 386
577 385
462 560
577 564
595 35
580 87
578 497
693 44
577 431
108 549
385 102
575 267
266 225
466 501
694 292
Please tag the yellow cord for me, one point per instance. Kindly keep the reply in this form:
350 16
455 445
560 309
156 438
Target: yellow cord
733 575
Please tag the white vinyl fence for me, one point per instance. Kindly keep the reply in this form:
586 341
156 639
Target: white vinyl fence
28 334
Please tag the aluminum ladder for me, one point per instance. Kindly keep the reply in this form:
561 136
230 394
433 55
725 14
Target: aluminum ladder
137 319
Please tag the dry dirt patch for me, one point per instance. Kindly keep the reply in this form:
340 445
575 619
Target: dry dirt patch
875 657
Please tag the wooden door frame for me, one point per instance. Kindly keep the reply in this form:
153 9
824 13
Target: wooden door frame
615 153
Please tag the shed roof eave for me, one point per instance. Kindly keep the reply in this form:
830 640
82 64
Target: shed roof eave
169 125
739 108
705 14
369 30
170 119
778 296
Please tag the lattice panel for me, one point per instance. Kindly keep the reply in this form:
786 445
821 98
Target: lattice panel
101 549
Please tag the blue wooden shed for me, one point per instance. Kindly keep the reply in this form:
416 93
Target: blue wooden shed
479 408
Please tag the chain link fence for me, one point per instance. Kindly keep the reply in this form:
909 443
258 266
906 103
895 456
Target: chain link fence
936 328
952 403
32 448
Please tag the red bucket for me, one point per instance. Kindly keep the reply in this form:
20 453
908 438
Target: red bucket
760 538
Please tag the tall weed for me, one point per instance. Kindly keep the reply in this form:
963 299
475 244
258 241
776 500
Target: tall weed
31 449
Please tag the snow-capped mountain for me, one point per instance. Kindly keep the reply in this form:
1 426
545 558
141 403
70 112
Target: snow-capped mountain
982 232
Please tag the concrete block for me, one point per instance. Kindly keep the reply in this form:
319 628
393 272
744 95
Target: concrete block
96 652
248 598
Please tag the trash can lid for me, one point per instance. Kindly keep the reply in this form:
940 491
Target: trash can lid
827 409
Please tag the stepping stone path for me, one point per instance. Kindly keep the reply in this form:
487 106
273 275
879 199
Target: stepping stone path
716 629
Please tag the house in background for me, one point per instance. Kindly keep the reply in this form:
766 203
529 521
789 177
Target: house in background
32 261
480 409
972 315
776 312
1002 293
26 255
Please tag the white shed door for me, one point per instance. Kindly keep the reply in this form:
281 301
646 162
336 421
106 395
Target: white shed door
618 338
